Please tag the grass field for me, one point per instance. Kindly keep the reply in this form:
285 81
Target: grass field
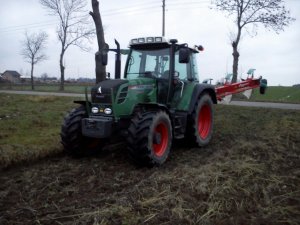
278 94
30 126
248 174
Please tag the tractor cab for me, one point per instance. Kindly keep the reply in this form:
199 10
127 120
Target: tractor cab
170 65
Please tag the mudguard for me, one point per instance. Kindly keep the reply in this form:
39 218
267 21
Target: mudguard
199 89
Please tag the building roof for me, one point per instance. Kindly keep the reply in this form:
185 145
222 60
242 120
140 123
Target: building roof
13 73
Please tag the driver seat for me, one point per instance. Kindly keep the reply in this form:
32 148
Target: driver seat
165 75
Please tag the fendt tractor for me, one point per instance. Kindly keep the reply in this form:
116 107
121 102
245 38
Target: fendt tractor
160 99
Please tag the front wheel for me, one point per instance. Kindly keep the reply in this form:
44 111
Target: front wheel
202 119
150 138
73 141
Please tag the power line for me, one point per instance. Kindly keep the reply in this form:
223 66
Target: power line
16 26
128 11
180 8
131 9
132 6
183 3
28 27
135 9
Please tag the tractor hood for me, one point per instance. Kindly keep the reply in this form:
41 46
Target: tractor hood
101 93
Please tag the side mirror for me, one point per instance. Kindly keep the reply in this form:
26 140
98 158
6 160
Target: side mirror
199 47
184 55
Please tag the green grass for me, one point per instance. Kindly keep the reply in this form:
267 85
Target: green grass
30 126
278 94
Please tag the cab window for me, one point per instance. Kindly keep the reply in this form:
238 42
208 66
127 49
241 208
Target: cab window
144 62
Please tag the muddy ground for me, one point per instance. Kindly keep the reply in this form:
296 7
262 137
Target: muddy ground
249 174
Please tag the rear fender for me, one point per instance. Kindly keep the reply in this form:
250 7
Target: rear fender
200 89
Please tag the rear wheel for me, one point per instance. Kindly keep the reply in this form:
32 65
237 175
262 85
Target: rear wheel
202 117
72 139
149 138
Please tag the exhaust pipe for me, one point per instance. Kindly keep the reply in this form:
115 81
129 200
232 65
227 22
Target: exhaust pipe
118 61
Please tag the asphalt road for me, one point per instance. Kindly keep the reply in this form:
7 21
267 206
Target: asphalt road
40 93
267 105
238 103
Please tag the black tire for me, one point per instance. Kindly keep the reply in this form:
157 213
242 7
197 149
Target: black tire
262 90
263 86
202 121
73 141
149 138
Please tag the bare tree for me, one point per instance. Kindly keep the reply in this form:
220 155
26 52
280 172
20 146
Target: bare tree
100 69
44 76
272 14
32 51
73 28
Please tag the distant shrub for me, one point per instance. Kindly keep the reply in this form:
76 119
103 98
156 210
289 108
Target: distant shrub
296 85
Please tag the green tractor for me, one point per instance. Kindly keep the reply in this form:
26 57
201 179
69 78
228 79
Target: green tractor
160 99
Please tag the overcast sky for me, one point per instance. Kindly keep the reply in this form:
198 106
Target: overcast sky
275 57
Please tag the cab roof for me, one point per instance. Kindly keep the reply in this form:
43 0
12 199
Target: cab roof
154 42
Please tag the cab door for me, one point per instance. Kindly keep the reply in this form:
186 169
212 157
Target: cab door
185 78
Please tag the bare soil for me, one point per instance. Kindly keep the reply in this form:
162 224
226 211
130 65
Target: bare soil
249 174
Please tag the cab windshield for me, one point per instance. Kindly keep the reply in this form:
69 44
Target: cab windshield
145 63
156 64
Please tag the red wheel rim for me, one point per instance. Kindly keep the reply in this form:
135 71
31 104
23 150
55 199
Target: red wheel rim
204 121
162 130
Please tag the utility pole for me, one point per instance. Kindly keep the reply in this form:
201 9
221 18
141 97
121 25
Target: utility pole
163 18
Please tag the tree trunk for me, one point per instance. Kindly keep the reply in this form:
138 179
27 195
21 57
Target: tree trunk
62 72
236 56
31 75
100 69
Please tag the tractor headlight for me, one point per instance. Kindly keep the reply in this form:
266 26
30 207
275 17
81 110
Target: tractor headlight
107 111
95 110
141 40
134 41
158 39
150 39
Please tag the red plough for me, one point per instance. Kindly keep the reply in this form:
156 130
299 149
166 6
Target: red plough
228 89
